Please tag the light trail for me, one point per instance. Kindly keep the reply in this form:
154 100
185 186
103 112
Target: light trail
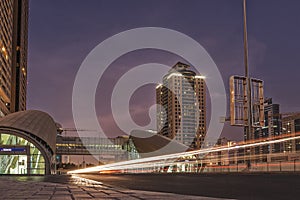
157 161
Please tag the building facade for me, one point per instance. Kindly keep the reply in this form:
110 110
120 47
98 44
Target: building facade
291 125
271 128
181 110
13 55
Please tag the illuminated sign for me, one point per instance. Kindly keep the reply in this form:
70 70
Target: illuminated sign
14 149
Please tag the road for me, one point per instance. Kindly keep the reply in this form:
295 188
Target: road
235 186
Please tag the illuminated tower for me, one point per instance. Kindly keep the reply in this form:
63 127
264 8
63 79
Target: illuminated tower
13 55
182 114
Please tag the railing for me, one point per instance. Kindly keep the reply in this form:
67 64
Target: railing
235 158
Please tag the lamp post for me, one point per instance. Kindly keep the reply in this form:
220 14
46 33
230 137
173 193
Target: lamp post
248 128
247 74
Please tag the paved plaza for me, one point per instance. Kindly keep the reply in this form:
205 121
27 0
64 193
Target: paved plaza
75 188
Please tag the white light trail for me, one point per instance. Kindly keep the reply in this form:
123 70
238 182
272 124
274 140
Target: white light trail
162 160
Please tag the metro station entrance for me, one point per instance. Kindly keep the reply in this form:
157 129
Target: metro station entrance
19 156
14 159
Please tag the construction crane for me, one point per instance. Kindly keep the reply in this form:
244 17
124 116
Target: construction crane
287 114
60 130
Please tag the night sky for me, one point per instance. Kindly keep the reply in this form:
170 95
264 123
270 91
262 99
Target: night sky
63 32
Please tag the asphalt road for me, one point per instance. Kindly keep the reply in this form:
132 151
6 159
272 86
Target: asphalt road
235 186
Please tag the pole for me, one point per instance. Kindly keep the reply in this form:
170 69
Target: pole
245 39
247 74
248 128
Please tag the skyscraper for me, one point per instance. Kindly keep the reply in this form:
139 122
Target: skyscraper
291 125
273 124
13 55
181 113
271 128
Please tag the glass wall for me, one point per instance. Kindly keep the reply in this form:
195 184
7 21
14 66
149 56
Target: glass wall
19 156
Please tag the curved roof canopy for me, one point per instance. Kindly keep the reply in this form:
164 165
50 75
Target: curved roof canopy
152 144
33 122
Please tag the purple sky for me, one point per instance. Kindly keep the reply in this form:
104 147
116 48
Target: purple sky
63 32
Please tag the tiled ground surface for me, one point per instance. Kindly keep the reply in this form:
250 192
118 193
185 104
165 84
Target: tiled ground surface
78 188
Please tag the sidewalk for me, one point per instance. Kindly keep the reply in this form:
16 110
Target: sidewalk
78 188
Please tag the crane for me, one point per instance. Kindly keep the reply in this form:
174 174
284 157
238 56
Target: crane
60 130
287 114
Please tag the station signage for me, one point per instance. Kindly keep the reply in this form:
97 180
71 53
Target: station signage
13 149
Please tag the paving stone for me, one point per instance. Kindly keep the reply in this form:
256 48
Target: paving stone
100 195
62 198
81 196
40 197
49 193
76 190
130 198
65 192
